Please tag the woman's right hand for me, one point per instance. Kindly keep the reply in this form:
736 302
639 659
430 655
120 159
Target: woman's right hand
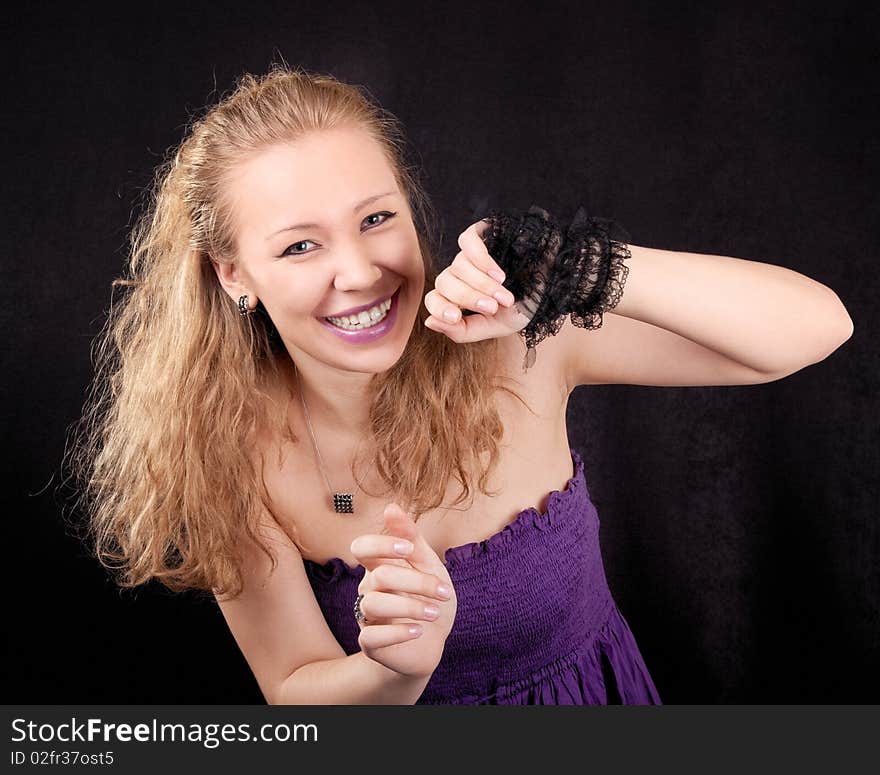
396 587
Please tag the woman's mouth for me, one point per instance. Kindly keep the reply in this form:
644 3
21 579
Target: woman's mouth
365 319
367 325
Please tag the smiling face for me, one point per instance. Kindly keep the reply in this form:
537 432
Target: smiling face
353 244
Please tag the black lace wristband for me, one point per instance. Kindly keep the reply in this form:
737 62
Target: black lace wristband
594 260
553 273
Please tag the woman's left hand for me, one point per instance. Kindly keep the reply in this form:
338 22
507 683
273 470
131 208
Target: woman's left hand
465 282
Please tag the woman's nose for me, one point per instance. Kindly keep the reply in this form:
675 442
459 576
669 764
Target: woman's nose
356 269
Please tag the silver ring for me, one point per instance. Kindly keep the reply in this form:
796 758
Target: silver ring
358 614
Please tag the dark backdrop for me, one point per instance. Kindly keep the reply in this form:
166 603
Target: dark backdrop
739 524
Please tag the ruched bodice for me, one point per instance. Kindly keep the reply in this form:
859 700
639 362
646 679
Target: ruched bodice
536 622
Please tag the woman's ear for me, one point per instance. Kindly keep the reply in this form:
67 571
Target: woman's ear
231 279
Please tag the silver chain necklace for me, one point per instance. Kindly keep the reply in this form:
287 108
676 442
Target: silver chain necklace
343 502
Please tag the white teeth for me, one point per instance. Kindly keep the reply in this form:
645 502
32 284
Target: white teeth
364 319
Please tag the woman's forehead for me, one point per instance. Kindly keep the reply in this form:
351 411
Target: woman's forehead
310 183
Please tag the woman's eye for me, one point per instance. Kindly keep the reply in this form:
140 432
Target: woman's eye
288 252
387 217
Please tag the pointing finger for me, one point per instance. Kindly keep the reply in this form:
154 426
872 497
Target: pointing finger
400 523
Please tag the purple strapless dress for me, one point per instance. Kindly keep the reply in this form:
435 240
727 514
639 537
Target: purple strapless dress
536 623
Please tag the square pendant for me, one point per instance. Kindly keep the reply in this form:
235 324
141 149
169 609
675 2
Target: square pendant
343 502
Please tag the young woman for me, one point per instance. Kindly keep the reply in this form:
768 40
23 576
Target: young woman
384 502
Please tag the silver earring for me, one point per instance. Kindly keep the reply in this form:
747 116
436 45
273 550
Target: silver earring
243 306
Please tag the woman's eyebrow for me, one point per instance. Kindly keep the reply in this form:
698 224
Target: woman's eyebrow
357 207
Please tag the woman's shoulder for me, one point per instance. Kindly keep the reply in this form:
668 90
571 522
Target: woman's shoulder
546 377
273 422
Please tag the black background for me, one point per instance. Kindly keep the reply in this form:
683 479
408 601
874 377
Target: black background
739 524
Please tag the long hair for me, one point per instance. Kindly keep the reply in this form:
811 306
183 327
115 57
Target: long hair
167 483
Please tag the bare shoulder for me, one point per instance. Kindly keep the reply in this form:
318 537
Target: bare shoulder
276 620
547 377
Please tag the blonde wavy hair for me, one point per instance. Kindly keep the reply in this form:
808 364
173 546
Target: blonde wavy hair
182 385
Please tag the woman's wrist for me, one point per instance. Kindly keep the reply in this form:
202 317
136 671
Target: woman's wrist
554 272
399 689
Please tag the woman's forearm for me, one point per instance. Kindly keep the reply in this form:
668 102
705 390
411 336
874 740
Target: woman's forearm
352 680
762 315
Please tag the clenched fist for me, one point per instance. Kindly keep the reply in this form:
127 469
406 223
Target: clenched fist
473 281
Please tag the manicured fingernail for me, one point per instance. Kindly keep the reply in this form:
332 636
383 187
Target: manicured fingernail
443 591
496 275
415 629
504 297
486 305
403 547
450 315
